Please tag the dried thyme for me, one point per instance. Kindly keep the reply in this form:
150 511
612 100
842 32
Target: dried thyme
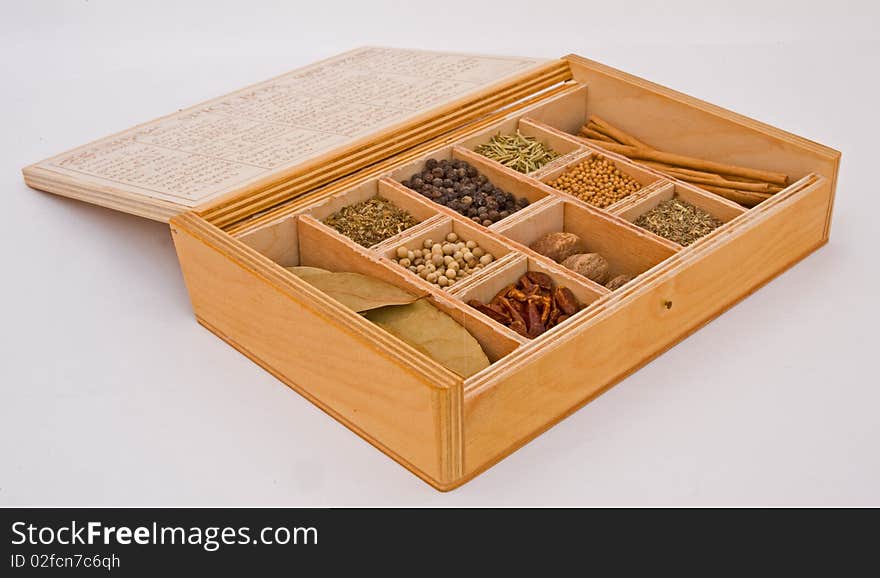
521 153
370 222
678 221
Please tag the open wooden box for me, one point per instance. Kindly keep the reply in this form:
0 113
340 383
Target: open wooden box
236 234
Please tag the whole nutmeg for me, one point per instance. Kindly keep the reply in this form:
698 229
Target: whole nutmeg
558 246
618 282
593 266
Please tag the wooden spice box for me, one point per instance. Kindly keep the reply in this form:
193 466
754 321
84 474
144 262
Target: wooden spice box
234 240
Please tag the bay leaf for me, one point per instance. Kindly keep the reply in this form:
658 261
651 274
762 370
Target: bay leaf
303 272
435 334
357 292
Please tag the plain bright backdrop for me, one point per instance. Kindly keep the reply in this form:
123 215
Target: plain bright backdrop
112 394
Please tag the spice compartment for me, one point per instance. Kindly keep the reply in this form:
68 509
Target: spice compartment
437 232
507 276
321 246
628 249
497 175
633 170
564 147
740 200
646 180
720 208
278 239
662 138
501 176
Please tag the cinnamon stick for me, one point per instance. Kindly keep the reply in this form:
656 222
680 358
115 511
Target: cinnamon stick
745 198
715 177
589 133
722 183
691 162
668 168
620 136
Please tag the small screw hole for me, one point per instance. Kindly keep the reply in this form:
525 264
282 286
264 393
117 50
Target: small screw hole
667 304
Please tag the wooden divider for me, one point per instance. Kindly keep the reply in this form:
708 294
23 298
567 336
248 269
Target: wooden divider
564 146
496 280
321 246
718 207
627 248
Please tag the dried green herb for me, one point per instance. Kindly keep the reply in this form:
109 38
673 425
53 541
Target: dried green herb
521 153
370 222
678 221
355 291
434 333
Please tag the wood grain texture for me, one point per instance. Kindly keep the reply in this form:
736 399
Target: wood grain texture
45 180
537 387
403 403
181 161
452 430
325 248
672 121
628 249
548 100
718 207
283 186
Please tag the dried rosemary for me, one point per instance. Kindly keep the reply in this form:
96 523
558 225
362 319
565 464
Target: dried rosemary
521 153
678 221
370 222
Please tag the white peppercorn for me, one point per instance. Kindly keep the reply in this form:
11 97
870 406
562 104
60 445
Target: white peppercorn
445 263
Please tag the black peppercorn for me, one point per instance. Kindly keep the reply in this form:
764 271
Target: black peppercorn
459 186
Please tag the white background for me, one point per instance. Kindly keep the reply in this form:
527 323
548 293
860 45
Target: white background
112 394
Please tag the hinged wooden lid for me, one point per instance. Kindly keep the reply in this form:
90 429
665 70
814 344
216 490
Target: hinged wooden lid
246 151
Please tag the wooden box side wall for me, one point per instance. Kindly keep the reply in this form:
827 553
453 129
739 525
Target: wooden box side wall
675 122
406 411
535 389
513 401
